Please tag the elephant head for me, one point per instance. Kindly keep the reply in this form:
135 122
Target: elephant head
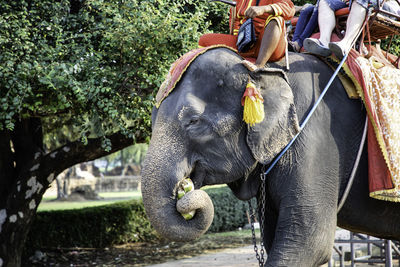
198 132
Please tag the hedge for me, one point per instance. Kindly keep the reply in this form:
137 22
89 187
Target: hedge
229 212
98 226
120 223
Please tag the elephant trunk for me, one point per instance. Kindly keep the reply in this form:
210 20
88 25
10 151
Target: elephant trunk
160 179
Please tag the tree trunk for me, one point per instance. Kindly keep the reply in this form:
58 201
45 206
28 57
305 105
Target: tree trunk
122 162
26 171
106 167
60 189
17 220
12 249
25 182
66 184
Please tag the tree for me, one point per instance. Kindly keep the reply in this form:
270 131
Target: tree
125 158
77 80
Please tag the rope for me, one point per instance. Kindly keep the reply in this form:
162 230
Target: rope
308 116
355 167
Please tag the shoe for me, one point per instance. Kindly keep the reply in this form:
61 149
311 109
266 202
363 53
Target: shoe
337 50
294 46
315 46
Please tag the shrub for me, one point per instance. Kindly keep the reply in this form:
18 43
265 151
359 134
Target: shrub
121 222
91 227
229 212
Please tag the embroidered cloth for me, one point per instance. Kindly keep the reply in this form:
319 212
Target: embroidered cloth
379 87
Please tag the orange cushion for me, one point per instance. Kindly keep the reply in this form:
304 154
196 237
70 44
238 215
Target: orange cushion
342 11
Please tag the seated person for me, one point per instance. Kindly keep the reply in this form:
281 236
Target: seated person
306 24
269 22
326 21
392 6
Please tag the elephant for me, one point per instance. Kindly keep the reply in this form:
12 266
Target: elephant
198 132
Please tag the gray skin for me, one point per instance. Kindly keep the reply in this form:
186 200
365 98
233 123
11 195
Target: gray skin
198 132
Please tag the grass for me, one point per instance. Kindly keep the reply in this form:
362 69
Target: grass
48 202
234 234
116 195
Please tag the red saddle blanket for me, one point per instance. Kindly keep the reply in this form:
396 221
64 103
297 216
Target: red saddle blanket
178 68
379 87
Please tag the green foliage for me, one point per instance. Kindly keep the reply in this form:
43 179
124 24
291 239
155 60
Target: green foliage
132 154
138 152
91 227
303 2
88 68
394 45
217 14
121 222
229 212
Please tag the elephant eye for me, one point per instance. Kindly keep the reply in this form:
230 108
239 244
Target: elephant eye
193 121
198 129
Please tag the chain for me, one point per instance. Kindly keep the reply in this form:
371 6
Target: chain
259 256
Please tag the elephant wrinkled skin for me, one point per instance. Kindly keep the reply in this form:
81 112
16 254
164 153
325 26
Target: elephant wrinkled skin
198 132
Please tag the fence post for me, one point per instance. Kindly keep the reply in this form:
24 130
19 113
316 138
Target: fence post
369 246
388 254
352 251
341 256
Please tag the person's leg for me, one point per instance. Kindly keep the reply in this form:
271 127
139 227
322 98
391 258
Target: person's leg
326 22
353 26
302 22
269 42
311 25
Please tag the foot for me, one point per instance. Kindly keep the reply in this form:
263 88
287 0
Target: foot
250 66
337 50
315 46
294 46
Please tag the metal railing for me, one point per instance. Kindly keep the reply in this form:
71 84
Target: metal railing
385 252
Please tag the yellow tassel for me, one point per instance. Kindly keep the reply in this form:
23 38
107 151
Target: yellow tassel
252 101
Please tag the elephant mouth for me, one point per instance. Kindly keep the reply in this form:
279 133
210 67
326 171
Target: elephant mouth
202 176
197 175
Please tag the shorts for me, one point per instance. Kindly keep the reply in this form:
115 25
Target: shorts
367 4
337 4
334 4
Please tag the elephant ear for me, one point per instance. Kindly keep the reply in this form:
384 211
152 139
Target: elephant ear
267 138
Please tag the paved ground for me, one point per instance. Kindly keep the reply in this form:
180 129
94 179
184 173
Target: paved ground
244 257
238 257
